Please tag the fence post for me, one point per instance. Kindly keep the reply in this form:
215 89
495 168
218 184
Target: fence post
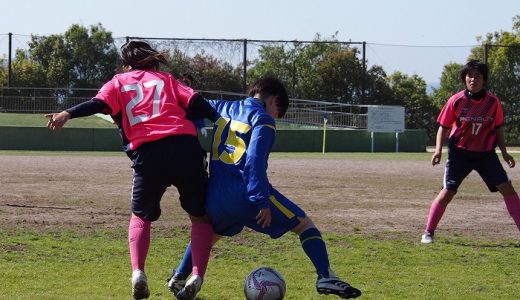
486 53
9 70
244 83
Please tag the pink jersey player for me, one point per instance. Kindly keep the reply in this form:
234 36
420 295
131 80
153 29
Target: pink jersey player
475 119
150 109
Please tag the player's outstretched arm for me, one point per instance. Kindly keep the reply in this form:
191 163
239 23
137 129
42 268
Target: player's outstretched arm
87 108
57 120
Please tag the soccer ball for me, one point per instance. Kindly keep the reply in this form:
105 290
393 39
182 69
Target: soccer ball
264 283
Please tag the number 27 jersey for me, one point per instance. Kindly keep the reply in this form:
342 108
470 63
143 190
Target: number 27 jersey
152 105
472 122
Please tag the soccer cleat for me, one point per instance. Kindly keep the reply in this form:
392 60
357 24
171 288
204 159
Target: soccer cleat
427 238
191 289
139 285
335 286
176 283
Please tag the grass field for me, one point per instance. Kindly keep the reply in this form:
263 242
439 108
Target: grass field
69 265
39 120
64 219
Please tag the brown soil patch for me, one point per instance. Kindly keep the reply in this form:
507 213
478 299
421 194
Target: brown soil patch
375 197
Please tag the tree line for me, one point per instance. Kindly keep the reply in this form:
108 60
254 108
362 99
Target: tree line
86 57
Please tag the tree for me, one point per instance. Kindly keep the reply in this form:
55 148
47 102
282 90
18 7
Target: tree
81 58
276 60
450 84
377 90
210 73
504 77
3 73
94 58
27 72
51 54
420 113
323 70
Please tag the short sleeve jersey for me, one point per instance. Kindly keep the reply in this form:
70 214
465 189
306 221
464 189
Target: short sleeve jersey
472 122
243 136
152 105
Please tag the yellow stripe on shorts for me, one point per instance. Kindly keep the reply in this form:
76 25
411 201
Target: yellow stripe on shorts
289 214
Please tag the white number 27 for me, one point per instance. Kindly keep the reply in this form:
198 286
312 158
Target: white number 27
158 84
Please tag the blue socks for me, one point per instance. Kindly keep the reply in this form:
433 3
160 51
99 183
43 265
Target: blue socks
184 268
315 248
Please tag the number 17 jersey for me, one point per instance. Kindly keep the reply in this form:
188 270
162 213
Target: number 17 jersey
472 122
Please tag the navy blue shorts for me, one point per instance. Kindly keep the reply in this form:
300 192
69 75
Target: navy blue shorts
461 162
174 160
230 211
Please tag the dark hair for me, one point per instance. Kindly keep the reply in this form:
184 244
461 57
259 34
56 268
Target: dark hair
140 55
474 65
270 86
187 79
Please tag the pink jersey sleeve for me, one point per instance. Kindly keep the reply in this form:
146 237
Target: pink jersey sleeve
108 94
183 93
447 114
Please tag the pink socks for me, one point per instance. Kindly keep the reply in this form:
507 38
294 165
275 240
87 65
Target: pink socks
138 241
434 217
201 240
513 207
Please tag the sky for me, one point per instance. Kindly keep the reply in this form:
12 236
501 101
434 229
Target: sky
411 36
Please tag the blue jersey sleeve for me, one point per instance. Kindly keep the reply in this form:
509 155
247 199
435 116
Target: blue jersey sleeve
255 169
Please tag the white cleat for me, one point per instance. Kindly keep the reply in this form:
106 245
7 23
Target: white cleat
176 284
191 289
427 238
140 285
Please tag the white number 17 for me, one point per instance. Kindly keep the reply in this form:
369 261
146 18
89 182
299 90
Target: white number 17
476 128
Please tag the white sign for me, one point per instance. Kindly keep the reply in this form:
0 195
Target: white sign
385 118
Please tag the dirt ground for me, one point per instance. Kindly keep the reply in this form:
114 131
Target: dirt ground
373 197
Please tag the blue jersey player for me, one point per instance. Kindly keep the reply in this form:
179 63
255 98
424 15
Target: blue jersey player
239 191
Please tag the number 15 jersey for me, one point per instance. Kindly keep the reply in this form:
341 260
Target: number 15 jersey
472 122
243 136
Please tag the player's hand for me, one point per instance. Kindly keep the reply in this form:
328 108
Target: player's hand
264 217
509 159
436 158
204 132
57 120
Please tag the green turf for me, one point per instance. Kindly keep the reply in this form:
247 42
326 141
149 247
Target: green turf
70 265
39 120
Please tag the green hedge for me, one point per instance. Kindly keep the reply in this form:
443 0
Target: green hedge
287 140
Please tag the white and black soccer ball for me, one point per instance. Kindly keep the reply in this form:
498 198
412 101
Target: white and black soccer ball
264 283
